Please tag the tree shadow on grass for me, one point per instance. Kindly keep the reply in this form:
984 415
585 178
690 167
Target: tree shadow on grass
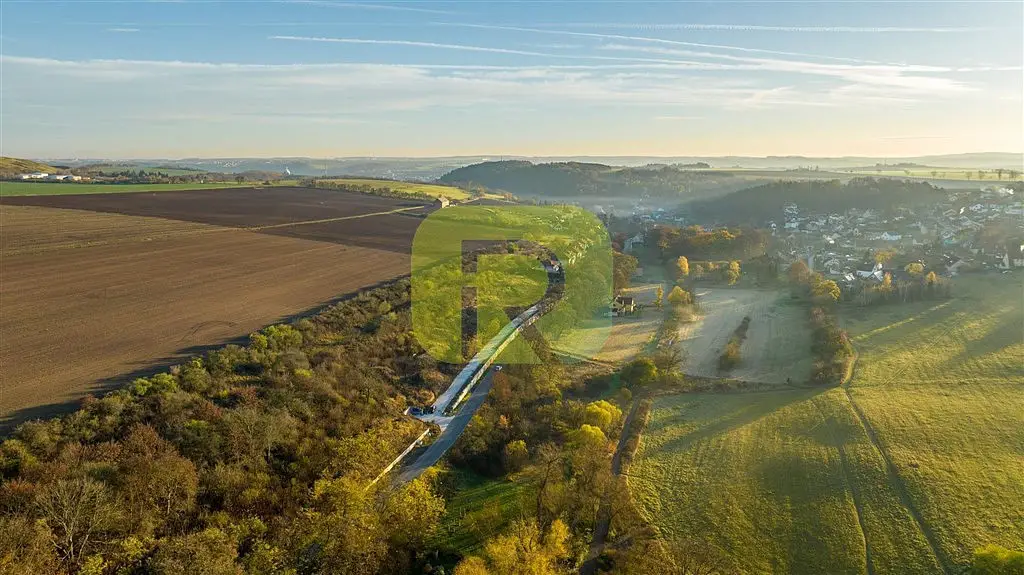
1008 332
760 405
9 421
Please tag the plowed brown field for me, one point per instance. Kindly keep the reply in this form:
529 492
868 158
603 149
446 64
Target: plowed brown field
237 207
88 298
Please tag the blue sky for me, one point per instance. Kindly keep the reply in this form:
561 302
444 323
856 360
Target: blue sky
121 79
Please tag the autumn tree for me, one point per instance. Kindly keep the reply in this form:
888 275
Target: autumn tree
914 269
799 273
826 290
515 455
524 550
640 372
603 415
678 296
659 297
732 274
683 266
209 552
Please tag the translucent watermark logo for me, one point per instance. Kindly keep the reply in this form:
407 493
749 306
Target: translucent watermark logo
545 269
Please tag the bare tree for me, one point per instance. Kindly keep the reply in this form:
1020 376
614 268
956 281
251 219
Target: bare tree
77 512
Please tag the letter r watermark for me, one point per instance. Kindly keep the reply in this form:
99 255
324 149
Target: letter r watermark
532 249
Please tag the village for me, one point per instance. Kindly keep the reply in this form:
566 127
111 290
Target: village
966 231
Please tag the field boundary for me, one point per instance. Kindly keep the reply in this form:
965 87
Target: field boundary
200 228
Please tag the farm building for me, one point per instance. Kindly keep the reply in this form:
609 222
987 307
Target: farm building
623 305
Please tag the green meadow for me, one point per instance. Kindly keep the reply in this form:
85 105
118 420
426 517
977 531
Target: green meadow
908 469
450 192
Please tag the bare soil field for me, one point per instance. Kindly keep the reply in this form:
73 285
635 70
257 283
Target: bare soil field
89 298
237 207
392 232
778 344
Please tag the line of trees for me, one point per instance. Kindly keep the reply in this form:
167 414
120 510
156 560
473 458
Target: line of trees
730 356
695 242
831 347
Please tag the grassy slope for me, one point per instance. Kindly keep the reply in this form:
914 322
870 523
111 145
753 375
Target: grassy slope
449 192
46 189
792 481
944 389
19 166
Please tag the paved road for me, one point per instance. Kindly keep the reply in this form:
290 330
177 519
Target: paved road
451 430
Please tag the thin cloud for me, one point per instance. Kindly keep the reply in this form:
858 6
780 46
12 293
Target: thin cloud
657 41
362 6
123 30
897 77
462 47
762 28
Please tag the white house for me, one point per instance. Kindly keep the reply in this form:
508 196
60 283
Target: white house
34 176
637 240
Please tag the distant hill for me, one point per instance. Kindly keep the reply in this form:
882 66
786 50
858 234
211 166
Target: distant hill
13 166
765 202
426 169
578 179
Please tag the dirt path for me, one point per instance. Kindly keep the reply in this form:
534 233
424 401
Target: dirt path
893 473
851 483
778 342
604 519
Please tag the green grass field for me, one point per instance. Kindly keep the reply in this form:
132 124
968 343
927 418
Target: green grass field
47 189
478 509
909 470
434 190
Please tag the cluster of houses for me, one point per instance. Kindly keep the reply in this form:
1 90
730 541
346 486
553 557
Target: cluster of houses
945 233
50 177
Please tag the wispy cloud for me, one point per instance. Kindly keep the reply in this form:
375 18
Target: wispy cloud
123 30
463 47
367 6
763 28
646 39
902 77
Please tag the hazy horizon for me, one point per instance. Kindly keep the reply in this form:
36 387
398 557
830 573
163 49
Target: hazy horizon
193 79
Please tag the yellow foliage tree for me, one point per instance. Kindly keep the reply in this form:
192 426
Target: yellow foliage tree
683 265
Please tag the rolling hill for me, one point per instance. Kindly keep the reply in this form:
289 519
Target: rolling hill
12 166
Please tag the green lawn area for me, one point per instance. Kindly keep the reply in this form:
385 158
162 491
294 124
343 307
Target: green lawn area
434 190
47 189
800 482
478 509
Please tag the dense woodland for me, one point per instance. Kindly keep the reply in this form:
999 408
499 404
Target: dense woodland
251 459
765 202
696 243
567 179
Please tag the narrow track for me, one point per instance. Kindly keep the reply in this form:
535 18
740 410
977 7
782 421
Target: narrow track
893 473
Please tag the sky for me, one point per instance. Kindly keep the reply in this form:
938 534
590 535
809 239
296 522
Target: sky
243 78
